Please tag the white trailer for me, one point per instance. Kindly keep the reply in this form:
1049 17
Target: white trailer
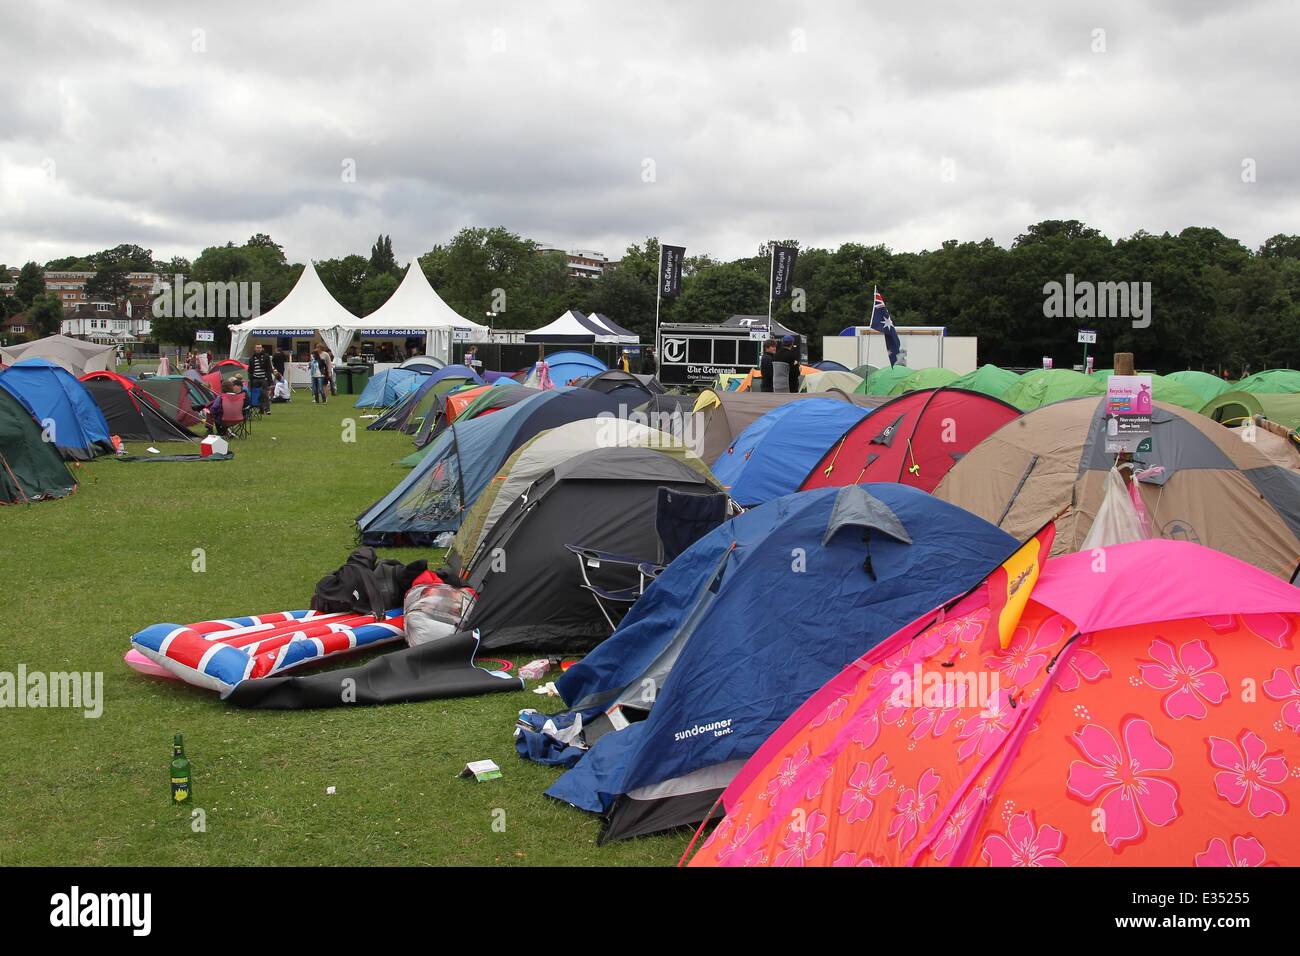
922 346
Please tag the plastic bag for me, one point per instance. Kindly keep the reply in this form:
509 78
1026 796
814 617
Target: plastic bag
433 612
1117 521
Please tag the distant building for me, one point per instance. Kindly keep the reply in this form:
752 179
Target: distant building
70 289
101 322
582 263
15 329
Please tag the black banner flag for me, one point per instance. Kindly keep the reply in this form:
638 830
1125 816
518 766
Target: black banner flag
670 270
783 270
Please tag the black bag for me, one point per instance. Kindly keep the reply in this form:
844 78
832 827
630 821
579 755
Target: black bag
366 585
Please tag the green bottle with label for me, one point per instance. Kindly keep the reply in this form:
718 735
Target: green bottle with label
181 791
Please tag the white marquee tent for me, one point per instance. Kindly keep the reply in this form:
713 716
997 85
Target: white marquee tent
308 309
414 308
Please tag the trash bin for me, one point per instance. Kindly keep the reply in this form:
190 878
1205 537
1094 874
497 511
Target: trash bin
352 379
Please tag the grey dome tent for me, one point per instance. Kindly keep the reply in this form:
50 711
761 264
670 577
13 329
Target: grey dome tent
604 500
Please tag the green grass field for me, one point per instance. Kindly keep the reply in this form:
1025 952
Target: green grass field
80 575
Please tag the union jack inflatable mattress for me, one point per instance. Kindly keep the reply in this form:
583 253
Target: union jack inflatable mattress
220 654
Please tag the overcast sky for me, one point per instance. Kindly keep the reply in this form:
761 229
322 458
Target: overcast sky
178 126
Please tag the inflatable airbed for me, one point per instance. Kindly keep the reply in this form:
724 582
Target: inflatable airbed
219 654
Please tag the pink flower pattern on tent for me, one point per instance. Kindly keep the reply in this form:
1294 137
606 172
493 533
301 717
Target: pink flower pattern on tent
1121 775
1085 665
954 827
1248 774
1186 673
803 841
1148 756
1285 686
1274 628
849 858
1246 851
914 807
866 782
1024 844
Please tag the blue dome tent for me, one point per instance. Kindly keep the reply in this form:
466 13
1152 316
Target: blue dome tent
771 457
461 460
732 637
53 396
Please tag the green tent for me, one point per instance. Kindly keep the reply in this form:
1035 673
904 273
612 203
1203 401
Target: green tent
864 371
988 379
882 381
1276 381
1044 386
1202 383
30 467
1234 407
924 378
1164 389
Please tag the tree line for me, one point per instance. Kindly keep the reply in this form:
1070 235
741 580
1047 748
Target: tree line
1214 303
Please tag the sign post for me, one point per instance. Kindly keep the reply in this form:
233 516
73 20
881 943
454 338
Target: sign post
1087 337
1128 414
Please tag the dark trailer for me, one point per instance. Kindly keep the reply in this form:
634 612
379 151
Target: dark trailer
695 354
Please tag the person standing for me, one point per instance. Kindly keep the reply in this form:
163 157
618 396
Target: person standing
788 354
261 375
648 364
765 365
327 367
318 393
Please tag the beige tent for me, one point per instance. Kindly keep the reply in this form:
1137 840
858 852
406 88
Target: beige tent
1215 489
73 355
825 381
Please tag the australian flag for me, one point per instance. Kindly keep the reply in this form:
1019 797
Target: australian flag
881 322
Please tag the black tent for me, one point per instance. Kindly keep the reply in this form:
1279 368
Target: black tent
530 585
630 389
132 414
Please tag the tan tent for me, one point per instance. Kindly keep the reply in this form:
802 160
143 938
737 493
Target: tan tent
1216 489
73 355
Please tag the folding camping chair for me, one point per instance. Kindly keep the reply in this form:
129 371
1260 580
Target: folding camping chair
681 519
233 420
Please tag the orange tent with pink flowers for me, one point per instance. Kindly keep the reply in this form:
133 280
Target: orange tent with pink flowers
1145 711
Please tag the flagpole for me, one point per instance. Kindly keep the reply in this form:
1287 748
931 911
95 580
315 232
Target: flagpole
771 275
659 289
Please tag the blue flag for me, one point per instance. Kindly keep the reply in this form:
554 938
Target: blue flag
881 322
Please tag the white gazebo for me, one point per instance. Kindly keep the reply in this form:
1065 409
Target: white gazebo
415 308
574 326
307 310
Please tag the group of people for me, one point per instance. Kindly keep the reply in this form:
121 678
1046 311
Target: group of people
201 362
776 379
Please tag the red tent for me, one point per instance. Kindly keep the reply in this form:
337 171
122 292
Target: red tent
914 439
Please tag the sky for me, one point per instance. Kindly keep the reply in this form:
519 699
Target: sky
716 125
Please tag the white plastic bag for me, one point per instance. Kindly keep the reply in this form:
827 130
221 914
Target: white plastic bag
1117 521
432 612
